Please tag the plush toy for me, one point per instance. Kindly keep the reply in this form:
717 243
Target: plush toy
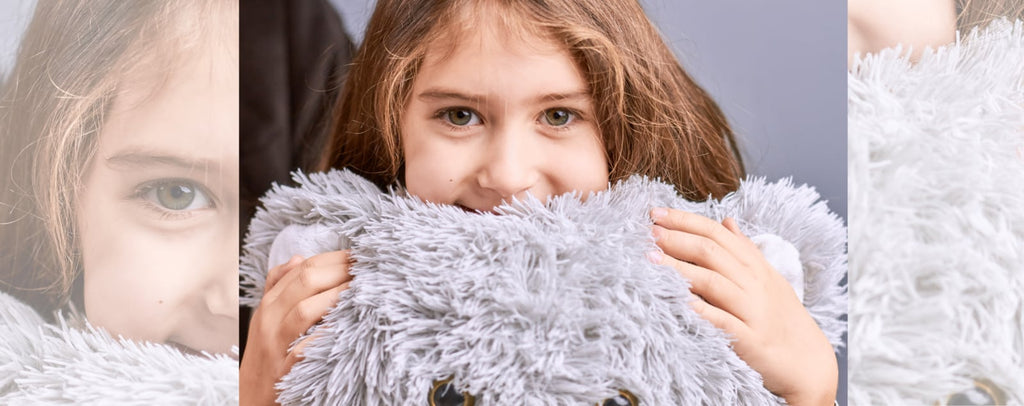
71 362
936 172
542 304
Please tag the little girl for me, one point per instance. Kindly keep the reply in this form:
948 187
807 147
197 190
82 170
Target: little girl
119 159
472 103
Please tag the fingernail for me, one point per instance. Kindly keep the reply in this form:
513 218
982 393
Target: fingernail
658 213
656 232
654 256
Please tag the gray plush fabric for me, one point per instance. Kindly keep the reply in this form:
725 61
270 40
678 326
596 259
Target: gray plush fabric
937 227
45 364
546 304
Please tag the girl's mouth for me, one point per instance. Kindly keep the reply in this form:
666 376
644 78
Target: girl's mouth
184 348
474 211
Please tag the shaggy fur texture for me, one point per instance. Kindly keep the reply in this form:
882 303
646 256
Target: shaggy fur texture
44 364
937 220
550 304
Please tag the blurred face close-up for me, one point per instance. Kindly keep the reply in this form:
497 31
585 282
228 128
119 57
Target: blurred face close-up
158 213
500 117
873 25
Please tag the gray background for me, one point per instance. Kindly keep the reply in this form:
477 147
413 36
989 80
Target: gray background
777 69
14 16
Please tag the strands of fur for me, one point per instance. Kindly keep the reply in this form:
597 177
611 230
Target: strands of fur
43 364
936 155
545 304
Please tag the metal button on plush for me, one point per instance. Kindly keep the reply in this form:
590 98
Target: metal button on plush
443 393
624 398
984 392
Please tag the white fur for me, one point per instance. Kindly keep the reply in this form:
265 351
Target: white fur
44 364
937 220
547 304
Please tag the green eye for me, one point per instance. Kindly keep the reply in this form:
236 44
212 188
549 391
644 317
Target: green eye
558 117
175 196
443 393
462 117
624 398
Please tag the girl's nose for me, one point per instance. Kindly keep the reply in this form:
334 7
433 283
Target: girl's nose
511 164
221 292
222 296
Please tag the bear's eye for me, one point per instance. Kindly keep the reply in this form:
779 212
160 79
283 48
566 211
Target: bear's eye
984 392
443 393
624 398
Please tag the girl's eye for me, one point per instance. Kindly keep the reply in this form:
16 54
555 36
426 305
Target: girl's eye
558 117
175 195
462 117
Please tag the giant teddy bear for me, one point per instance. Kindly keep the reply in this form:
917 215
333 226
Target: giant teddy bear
541 304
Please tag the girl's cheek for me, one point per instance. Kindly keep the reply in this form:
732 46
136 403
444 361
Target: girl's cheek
431 181
436 167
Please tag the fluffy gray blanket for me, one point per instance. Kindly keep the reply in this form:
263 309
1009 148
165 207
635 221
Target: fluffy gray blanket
544 304
937 226
45 364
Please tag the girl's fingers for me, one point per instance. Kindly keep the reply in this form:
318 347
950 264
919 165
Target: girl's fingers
730 224
276 273
712 286
696 224
700 251
305 314
296 353
722 319
312 276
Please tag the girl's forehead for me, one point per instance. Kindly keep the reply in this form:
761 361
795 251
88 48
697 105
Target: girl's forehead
483 24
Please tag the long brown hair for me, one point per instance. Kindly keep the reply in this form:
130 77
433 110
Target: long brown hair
52 109
974 13
654 119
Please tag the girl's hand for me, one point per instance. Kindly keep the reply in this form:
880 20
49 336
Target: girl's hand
743 295
297 295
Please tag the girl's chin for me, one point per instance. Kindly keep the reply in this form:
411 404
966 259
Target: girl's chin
184 349
475 211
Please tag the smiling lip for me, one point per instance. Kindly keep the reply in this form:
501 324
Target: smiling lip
184 348
474 211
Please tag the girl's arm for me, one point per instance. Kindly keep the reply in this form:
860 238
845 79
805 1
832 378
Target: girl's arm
296 296
743 295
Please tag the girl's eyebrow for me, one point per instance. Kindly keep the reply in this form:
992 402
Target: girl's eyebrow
133 159
575 95
444 94
447 94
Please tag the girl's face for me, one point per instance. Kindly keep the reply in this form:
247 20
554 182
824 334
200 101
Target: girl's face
873 25
158 214
500 117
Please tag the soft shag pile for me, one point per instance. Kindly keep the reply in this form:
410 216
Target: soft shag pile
546 304
936 152
45 364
